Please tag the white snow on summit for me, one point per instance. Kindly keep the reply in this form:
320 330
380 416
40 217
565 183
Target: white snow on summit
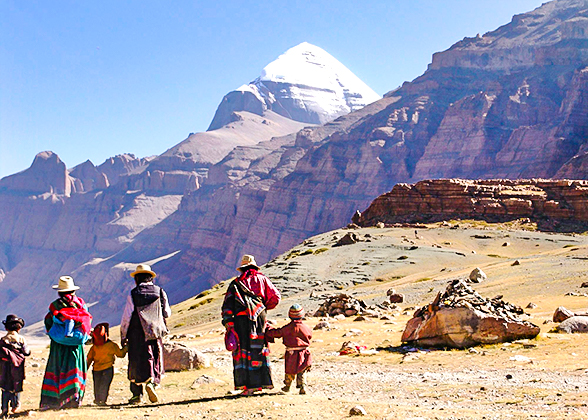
307 65
305 84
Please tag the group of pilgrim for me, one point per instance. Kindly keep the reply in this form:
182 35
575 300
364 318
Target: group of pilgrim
143 325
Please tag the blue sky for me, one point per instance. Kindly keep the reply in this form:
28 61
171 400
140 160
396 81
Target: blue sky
92 79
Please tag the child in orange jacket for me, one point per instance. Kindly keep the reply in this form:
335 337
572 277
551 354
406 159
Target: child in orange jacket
103 354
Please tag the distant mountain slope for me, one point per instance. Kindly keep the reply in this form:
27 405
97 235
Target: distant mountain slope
523 117
509 104
81 221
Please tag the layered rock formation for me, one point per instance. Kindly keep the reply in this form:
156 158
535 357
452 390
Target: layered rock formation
47 174
509 104
84 221
551 204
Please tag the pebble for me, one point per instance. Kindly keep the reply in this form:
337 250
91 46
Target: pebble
358 410
322 325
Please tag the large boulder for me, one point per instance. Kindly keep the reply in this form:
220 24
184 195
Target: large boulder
461 318
177 357
574 324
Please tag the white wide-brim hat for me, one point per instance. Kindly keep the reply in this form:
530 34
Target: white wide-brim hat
66 284
143 268
248 261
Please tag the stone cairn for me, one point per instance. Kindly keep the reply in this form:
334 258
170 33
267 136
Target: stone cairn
459 294
341 304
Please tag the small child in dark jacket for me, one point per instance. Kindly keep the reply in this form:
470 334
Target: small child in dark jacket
103 354
13 350
296 337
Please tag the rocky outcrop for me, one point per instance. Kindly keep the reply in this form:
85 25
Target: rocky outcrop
550 35
461 318
574 324
122 165
551 204
88 177
47 174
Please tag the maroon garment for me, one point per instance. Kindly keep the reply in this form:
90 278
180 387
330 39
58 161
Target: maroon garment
12 366
295 334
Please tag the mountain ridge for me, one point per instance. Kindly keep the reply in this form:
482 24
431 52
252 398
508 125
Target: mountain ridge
471 121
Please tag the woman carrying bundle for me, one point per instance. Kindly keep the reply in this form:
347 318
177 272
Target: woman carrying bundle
68 324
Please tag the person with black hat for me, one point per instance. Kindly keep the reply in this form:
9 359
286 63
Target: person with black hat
13 350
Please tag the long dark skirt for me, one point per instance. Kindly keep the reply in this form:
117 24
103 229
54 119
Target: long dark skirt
145 357
251 367
64 383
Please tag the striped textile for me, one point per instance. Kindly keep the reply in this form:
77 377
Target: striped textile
296 311
64 383
244 311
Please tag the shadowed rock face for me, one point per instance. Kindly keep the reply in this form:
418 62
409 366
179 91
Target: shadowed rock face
47 174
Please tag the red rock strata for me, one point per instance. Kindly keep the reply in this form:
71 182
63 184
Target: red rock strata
552 204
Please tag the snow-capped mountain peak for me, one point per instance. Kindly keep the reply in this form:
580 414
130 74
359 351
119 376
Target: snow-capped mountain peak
305 84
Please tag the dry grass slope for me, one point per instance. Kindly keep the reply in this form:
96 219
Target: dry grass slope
542 378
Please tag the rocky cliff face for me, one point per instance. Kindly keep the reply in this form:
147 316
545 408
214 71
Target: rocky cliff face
509 104
552 204
98 222
494 120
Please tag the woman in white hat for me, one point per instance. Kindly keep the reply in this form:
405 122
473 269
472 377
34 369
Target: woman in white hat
142 327
248 298
68 324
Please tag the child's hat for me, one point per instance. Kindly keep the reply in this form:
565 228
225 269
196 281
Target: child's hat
296 311
12 320
100 334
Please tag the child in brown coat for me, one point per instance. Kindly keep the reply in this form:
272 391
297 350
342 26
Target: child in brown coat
13 350
103 354
296 337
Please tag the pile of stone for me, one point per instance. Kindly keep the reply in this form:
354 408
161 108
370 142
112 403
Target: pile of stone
459 294
341 304
460 318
